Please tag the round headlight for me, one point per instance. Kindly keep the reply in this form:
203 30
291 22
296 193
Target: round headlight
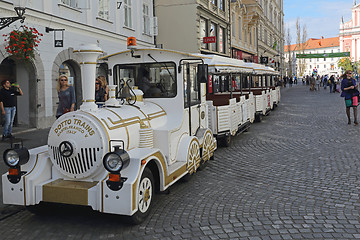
11 158
113 162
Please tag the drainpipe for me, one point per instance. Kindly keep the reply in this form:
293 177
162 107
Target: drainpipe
257 41
154 16
229 25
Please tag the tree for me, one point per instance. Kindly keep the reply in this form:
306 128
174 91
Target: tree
346 64
290 51
301 44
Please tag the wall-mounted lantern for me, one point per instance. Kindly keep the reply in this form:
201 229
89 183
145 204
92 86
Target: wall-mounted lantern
19 7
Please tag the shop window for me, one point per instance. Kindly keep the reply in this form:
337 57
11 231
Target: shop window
213 32
203 32
221 40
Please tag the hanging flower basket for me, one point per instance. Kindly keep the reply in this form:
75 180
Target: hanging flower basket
22 43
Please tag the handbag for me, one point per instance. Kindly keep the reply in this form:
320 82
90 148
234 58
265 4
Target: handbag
66 110
355 100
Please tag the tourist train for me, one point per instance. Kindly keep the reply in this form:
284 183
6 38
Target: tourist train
166 113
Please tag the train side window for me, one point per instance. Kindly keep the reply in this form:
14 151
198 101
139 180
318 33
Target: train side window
216 86
190 70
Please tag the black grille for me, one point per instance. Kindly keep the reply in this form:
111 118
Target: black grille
79 164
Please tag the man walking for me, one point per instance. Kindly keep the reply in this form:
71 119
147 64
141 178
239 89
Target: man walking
8 105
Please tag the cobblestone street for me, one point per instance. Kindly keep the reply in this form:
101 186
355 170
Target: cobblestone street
292 176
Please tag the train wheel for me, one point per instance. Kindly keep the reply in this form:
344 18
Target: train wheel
145 196
258 117
193 159
207 145
226 141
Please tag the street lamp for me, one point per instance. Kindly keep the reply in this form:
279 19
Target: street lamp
19 7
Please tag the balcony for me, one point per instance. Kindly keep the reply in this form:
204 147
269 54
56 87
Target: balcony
253 12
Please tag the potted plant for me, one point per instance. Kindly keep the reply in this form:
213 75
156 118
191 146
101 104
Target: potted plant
22 43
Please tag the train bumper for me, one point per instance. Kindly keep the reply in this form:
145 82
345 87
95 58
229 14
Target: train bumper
41 183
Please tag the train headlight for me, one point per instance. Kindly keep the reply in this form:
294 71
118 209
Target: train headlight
11 158
16 156
115 161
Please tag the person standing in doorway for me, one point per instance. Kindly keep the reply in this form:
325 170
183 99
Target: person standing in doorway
8 105
66 94
350 93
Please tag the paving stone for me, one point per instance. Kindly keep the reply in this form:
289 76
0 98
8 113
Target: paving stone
289 177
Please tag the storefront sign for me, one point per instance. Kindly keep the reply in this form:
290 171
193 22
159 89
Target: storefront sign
209 39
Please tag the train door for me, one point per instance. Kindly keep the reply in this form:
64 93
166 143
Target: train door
192 97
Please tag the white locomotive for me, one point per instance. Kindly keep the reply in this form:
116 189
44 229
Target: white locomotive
159 124
114 158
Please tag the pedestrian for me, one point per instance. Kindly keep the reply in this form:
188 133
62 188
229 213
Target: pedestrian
325 81
8 95
103 84
312 83
350 93
331 83
66 95
317 83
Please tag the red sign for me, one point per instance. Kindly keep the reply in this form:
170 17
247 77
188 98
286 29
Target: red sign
209 39
210 84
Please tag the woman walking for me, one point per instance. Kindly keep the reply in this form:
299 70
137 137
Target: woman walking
350 93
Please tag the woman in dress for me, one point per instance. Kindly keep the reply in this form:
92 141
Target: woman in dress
66 94
350 93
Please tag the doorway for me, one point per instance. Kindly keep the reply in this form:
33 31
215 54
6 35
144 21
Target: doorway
24 74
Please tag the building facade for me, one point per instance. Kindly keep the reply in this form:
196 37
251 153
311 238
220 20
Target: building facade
243 29
271 33
257 32
183 25
323 66
350 34
106 23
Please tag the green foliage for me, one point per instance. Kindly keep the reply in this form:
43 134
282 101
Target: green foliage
346 64
21 43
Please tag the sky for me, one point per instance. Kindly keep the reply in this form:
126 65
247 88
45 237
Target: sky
321 17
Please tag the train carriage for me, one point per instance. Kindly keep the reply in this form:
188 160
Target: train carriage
238 94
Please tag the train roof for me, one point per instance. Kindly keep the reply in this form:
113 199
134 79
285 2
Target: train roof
220 64
217 64
149 49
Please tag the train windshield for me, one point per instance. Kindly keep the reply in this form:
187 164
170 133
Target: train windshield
156 80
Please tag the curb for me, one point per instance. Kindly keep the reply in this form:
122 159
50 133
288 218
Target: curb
24 131
10 210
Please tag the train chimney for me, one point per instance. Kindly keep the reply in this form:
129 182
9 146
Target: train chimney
88 55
